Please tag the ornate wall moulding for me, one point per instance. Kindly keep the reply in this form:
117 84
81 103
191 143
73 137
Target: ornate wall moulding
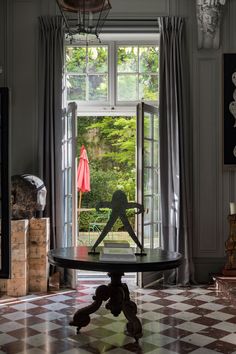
209 15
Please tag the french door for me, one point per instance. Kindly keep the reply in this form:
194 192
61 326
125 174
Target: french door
148 191
148 186
69 182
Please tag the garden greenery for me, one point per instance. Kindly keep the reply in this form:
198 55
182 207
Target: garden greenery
110 144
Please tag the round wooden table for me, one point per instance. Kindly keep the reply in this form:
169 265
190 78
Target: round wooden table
116 292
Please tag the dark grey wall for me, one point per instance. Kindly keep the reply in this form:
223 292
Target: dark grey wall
213 187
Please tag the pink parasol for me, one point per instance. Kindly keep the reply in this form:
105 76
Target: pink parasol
83 174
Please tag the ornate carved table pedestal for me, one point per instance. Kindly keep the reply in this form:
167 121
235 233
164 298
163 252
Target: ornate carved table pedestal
230 248
116 293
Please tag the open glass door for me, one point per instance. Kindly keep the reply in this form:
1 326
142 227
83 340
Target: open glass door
5 184
148 191
69 182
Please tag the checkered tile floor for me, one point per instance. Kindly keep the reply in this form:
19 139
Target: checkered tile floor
175 320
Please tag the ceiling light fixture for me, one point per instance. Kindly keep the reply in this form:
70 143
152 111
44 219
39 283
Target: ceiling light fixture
89 20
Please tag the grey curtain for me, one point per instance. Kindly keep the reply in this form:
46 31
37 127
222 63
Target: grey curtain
175 148
51 37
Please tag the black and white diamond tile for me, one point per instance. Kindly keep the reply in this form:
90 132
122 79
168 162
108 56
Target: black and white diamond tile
175 321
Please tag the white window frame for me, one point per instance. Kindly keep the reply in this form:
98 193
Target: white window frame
111 107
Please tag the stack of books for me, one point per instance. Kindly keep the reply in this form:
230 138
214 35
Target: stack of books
116 243
117 251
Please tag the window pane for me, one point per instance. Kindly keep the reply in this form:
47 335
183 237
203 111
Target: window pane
147 181
69 127
155 153
148 125
148 210
147 159
76 59
156 204
155 181
69 174
148 87
69 157
142 60
97 60
68 233
147 231
65 210
156 127
127 59
148 59
156 235
76 87
65 156
127 87
69 210
98 88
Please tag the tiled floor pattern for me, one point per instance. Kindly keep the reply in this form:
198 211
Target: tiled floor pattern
175 320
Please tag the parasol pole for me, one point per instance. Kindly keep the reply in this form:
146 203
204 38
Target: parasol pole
80 200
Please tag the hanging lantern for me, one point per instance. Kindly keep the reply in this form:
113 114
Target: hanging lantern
90 16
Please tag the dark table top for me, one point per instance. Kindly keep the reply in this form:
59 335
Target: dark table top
78 258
